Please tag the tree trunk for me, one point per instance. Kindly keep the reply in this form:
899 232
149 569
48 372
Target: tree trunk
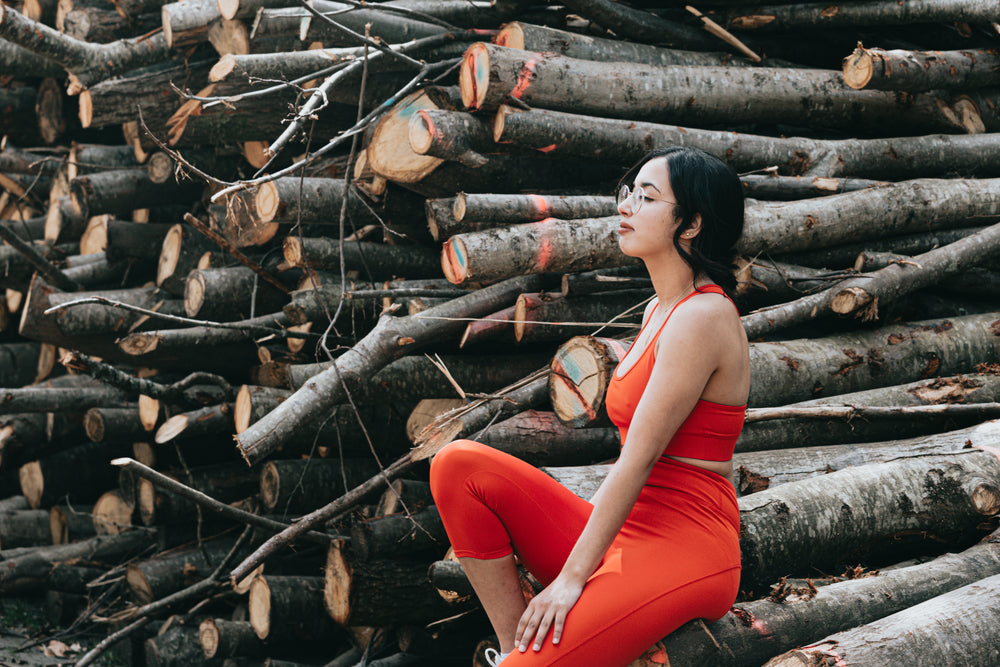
581 372
399 536
762 282
452 135
915 71
155 578
288 608
383 261
880 12
625 141
122 191
232 293
224 482
113 424
19 363
309 200
898 208
212 420
28 63
641 26
81 472
86 63
551 317
100 26
784 188
528 37
542 440
403 495
186 23
509 209
538 247
696 95
947 629
71 523
76 399
851 513
221 638
31 566
298 485
753 632
175 645
379 592
24 528
391 339
884 286
791 433
498 326
845 256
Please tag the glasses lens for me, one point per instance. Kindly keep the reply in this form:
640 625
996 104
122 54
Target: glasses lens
633 197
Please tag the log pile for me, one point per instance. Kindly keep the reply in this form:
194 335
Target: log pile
345 235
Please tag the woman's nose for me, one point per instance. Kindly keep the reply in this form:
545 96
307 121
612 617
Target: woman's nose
625 207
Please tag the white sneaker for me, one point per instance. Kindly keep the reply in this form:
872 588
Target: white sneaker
494 657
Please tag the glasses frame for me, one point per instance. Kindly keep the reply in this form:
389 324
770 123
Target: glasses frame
635 197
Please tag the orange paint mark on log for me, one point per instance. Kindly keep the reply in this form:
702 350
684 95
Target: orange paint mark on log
524 78
541 206
545 253
547 149
428 122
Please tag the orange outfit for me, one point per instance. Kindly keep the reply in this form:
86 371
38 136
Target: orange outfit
676 558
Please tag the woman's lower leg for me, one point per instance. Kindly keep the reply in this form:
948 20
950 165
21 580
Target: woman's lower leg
499 591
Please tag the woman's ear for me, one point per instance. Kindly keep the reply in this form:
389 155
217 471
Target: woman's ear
694 229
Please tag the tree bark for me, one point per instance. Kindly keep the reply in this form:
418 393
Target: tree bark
882 13
81 472
783 188
880 287
641 26
111 514
528 37
541 439
186 23
542 316
538 247
288 608
625 141
753 632
297 485
697 95
182 247
897 208
31 566
379 592
762 282
120 192
76 399
86 63
914 71
155 578
791 433
224 482
946 628
452 135
508 209
498 326
232 293
27 63
848 513
221 638
113 423
383 261
100 26
845 256
212 420
399 536
389 340
24 528
133 240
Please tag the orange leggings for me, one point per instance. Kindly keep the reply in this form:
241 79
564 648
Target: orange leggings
677 557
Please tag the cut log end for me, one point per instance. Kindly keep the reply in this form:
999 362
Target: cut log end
194 293
95 237
337 584
111 514
171 428
270 486
138 344
255 152
243 409
208 633
500 122
743 273
93 425
160 167
969 116
510 35
228 9
149 411
292 251
849 300
267 202
32 483
859 68
58 525
139 584
985 498
453 261
259 602
242 587
223 68
421 132
474 76
86 108
147 502
458 207
170 253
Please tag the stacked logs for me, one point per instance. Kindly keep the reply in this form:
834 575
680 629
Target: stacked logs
442 263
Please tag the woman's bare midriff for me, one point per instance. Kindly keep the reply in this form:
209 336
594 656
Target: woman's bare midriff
723 468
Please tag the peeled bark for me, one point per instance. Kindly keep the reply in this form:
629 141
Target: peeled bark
696 95
848 513
947 629
914 71
539 247
100 26
625 141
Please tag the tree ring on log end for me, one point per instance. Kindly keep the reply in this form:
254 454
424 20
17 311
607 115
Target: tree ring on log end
32 483
859 68
260 607
208 631
474 76
510 35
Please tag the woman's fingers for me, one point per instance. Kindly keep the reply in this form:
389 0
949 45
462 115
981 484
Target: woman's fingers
557 626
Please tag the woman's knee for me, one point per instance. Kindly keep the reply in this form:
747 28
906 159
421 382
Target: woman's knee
454 462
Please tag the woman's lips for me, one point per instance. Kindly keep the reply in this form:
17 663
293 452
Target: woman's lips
624 227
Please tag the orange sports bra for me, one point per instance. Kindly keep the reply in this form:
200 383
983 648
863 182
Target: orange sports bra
708 433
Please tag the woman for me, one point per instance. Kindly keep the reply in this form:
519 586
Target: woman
658 544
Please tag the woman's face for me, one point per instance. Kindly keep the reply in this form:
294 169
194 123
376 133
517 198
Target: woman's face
647 229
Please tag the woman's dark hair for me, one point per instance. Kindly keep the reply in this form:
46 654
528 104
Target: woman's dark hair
702 183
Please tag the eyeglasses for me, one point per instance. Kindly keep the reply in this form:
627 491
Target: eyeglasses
636 197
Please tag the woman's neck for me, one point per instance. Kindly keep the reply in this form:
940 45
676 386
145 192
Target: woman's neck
672 282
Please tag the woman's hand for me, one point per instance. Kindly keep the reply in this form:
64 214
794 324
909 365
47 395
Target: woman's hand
547 609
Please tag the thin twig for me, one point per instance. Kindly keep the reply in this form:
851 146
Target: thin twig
376 44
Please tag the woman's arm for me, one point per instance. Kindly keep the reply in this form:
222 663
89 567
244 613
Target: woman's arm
688 353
